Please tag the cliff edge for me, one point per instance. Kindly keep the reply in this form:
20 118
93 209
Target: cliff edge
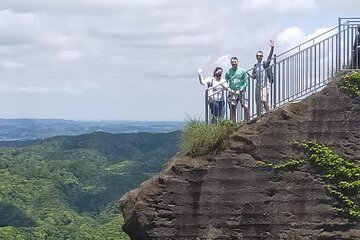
231 196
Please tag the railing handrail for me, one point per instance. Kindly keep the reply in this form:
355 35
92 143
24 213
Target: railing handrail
313 40
303 50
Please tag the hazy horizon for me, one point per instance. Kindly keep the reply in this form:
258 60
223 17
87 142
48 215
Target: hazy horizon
92 120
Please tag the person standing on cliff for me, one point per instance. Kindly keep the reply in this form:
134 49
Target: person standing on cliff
262 73
356 50
216 88
237 78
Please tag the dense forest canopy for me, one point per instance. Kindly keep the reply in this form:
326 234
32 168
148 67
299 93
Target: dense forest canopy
68 187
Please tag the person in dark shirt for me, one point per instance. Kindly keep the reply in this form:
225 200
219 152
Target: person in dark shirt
356 51
263 75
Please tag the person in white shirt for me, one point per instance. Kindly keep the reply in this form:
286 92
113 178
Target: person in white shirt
216 91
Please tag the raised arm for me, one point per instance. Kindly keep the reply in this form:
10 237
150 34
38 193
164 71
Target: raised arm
271 44
201 79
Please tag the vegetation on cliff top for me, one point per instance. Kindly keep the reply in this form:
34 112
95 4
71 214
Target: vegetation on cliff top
351 83
198 139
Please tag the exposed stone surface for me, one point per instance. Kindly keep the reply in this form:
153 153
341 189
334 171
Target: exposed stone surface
229 196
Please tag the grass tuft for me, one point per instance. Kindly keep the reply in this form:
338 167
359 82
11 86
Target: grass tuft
198 139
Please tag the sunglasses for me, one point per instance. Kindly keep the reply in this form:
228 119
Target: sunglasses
259 56
234 62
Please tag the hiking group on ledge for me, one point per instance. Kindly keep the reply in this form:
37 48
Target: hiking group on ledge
235 83
237 79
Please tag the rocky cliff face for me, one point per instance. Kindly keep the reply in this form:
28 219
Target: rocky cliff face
230 196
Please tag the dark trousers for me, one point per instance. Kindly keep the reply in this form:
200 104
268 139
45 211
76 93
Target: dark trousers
233 112
217 108
356 59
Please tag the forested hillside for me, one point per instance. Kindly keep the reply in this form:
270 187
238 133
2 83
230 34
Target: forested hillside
68 187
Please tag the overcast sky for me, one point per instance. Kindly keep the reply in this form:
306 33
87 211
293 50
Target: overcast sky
138 59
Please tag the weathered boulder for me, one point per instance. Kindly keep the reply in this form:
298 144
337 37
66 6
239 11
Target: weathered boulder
230 196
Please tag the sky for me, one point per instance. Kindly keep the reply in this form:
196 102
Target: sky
138 59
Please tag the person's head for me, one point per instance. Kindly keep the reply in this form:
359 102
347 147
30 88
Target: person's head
217 72
259 56
234 62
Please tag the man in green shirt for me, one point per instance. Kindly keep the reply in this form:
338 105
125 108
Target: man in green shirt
237 79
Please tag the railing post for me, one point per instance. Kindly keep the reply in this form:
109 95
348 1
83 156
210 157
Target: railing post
206 108
274 83
338 57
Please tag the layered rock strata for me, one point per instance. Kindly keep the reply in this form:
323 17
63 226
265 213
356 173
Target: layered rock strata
230 196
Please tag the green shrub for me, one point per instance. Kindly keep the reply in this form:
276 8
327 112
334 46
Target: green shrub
288 165
342 177
351 83
198 139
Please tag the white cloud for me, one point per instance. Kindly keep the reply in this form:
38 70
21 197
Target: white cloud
11 64
67 90
294 36
291 36
31 89
17 28
14 88
69 55
60 40
279 6
37 89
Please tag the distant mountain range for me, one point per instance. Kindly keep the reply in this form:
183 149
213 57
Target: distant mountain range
29 129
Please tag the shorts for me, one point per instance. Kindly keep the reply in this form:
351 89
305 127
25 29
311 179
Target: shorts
262 93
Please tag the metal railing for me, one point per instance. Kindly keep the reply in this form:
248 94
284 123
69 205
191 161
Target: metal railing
302 70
